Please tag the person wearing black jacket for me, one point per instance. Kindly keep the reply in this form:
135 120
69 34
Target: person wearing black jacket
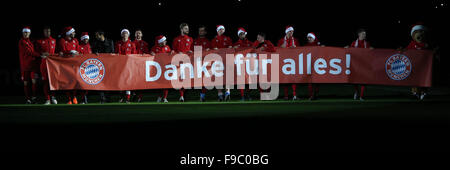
102 45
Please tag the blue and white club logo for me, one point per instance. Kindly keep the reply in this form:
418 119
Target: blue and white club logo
92 71
398 67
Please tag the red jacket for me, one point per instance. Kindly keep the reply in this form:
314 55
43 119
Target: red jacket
158 49
183 43
125 48
141 47
221 41
289 42
46 45
314 43
66 46
85 48
243 43
360 44
204 42
416 45
268 46
27 55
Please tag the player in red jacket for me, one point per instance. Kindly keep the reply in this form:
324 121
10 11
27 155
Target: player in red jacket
201 40
161 47
68 47
28 64
85 48
221 41
243 42
46 46
361 42
183 44
289 41
313 89
141 48
262 44
125 47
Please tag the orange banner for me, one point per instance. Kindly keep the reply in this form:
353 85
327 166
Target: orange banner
242 66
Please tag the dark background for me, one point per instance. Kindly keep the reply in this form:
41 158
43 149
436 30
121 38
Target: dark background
334 22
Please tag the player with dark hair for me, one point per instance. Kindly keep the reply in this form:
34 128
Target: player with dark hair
101 44
201 40
46 46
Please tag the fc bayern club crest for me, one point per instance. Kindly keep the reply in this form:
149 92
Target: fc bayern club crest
398 67
92 71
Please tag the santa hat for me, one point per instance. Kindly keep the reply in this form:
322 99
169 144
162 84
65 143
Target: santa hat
312 35
84 35
220 27
69 30
289 28
417 27
161 38
241 30
124 30
26 29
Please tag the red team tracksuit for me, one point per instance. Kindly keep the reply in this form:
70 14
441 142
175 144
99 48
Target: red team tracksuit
164 49
289 43
243 44
183 44
125 48
66 45
206 44
360 44
46 45
268 47
141 48
221 41
84 48
313 89
28 64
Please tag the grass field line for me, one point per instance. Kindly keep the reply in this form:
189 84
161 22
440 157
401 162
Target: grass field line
305 101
